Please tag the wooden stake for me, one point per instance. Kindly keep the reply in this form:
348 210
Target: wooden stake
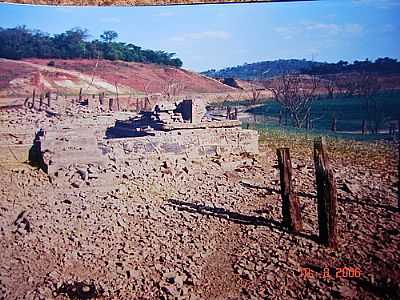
110 104
398 176
101 98
290 203
326 194
80 94
228 112
33 98
333 127
48 95
116 90
40 101
364 127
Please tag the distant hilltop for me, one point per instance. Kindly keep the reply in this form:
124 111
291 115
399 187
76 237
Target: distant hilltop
268 69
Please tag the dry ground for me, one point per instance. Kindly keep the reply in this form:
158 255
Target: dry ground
198 229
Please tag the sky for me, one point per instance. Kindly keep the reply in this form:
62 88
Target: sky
217 36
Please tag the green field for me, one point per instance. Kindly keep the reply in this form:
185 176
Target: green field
349 114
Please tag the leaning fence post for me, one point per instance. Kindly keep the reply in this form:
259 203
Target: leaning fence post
290 203
326 195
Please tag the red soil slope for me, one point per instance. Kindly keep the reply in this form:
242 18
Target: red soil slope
21 77
138 75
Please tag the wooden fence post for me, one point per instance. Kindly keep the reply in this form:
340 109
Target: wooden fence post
333 127
116 90
48 96
111 104
80 94
228 112
101 98
40 101
326 195
398 175
33 99
290 202
364 127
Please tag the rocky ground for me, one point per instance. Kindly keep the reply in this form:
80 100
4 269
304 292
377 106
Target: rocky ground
198 229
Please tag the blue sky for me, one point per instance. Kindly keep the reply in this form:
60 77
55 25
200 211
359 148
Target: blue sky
217 36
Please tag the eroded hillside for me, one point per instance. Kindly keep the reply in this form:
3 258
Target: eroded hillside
19 78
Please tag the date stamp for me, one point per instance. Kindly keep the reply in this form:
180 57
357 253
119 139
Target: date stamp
330 273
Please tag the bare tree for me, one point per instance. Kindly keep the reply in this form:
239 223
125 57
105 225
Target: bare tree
347 85
146 87
368 88
368 85
329 84
172 86
254 94
295 93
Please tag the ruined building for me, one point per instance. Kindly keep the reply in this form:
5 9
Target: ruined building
168 130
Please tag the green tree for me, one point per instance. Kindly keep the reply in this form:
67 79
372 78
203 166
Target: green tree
109 35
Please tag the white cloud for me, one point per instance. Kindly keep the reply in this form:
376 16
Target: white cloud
110 20
328 28
164 14
331 29
211 35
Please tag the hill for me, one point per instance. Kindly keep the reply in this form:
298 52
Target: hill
267 69
262 69
20 77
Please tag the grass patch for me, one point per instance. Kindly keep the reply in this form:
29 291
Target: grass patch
373 154
349 114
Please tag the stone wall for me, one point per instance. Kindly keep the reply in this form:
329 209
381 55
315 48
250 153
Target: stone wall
82 148
189 143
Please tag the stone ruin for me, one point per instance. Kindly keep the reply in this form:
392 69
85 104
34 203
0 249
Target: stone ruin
168 130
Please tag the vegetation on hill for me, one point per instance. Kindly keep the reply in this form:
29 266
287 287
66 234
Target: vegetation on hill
381 65
21 42
268 69
264 69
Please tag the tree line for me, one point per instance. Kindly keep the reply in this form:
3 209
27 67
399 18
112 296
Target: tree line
21 42
384 65
270 69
